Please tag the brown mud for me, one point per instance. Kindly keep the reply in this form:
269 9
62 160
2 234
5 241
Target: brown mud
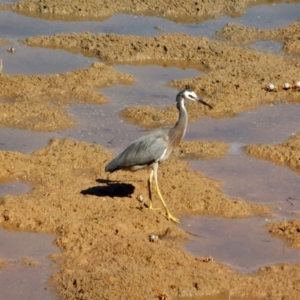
101 226
174 10
288 35
285 154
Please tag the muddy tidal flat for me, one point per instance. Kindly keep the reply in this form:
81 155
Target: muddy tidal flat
81 80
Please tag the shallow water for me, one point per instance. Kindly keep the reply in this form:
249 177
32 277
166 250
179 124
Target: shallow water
29 61
242 244
19 280
267 46
262 16
26 283
25 141
266 125
14 188
256 181
239 243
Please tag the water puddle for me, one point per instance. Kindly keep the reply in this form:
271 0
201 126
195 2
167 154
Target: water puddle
8 1
32 60
247 177
262 16
241 244
150 87
271 16
24 141
268 46
244 244
14 188
266 125
29 270
256 181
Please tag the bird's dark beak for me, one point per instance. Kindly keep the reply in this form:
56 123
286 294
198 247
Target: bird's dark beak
203 102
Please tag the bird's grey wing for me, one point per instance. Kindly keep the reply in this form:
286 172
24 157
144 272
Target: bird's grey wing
143 151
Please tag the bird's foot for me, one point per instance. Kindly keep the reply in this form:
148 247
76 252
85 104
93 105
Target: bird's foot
171 218
150 206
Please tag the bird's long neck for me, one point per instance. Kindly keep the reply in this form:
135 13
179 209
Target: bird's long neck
178 131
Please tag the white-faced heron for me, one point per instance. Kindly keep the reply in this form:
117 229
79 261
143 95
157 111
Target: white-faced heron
155 147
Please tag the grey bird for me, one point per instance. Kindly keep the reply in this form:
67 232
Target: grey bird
156 147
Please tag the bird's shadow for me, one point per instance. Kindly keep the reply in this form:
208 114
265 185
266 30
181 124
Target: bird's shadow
110 188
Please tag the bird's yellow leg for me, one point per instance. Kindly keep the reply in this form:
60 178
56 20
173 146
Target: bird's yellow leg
150 204
168 214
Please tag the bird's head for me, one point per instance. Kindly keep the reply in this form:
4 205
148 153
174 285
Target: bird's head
188 94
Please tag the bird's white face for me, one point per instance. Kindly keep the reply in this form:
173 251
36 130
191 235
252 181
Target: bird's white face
190 95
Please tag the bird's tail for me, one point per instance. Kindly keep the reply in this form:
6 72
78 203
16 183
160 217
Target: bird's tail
111 166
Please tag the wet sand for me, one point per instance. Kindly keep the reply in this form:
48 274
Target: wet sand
100 225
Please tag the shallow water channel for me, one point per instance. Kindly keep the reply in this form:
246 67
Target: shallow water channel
243 244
